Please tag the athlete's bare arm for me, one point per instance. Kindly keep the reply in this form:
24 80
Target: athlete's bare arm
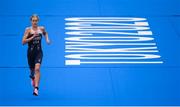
46 35
25 40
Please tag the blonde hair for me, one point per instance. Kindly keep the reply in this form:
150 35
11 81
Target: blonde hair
34 15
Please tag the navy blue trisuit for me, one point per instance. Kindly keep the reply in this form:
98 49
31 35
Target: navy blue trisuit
34 52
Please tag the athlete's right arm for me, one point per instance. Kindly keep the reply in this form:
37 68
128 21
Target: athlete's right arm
25 39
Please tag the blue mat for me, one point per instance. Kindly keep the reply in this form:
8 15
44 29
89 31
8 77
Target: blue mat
114 77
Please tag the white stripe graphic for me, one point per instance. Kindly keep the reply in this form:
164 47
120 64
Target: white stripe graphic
109 40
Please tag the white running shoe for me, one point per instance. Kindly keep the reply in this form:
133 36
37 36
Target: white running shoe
35 92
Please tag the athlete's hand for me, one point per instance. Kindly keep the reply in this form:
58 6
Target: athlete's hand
33 37
48 41
35 34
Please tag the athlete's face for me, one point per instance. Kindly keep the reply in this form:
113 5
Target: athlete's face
34 21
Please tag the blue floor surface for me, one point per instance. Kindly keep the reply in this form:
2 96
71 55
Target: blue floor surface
115 84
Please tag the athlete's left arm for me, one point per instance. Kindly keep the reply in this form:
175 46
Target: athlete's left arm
46 35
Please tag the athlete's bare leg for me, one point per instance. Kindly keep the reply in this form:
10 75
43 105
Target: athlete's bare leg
37 74
32 76
32 72
37 79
